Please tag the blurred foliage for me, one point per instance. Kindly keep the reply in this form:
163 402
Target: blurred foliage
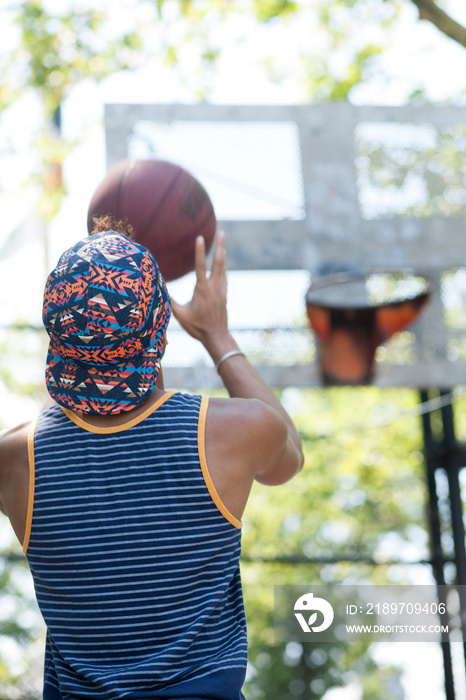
357 484
333 55
21 630
411 170
53 49
268 9
24 347
343 37
21 625
57 48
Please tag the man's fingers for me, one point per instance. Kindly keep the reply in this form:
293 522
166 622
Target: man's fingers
219 261
176 308
200 259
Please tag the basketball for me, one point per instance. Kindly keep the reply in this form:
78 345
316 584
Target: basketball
166 206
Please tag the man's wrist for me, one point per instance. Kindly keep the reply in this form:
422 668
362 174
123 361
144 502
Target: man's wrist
226 356
218 345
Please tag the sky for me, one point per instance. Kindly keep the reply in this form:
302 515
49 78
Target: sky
419 55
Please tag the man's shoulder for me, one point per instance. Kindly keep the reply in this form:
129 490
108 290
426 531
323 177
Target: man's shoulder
248 414
245 436
237 406
13 439
13 452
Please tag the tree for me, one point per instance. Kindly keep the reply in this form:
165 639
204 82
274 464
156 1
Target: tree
359 30
430 11
266 10
48 53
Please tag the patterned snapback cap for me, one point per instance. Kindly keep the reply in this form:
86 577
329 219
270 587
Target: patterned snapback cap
106 310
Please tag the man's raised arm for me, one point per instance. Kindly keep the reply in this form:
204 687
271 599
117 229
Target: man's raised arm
205 318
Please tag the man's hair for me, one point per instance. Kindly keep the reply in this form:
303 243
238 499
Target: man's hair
108 223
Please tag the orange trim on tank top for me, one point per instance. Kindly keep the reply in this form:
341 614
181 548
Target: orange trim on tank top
32 481
205 470
116 428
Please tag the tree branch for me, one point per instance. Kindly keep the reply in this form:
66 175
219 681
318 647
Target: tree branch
431 12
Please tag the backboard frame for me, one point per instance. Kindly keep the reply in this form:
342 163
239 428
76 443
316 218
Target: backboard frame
333 236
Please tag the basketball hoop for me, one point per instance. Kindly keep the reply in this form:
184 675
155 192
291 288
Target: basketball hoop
352 315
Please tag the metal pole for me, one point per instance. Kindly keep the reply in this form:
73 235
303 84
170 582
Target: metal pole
450 453
452 469
438 560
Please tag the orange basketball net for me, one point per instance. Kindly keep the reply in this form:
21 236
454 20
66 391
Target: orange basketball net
349 332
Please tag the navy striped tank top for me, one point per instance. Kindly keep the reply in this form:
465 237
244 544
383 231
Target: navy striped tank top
135 559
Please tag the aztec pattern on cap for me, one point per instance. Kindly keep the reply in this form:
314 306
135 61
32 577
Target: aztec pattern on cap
106 309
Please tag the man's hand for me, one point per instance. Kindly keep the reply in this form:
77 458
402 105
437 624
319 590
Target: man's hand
205 316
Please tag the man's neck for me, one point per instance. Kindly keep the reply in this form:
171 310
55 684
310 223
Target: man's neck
110 421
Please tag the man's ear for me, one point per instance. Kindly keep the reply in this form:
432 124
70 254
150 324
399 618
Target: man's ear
159 383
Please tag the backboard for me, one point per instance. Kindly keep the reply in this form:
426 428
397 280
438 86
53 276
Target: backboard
311 190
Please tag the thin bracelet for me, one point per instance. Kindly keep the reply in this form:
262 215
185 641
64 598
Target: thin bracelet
227 356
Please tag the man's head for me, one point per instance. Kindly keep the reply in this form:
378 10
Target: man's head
106 310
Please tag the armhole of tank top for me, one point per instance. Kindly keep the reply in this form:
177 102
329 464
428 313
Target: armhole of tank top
32 482
205 470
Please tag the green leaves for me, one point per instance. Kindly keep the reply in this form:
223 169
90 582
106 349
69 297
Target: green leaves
57 50
269 9
54 49
20 624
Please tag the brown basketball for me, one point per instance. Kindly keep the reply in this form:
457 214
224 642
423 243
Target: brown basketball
166 206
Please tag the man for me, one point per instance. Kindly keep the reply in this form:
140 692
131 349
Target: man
127 498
